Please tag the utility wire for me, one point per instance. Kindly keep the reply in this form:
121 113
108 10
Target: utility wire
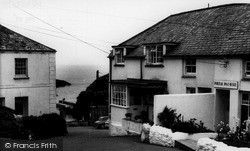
63 31
54 31
50 34
104 14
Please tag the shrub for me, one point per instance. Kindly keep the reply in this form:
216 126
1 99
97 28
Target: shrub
128 115
8 123
189 126
168 117
44 126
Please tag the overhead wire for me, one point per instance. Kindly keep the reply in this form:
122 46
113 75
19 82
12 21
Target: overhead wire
104 14
63 31
48 34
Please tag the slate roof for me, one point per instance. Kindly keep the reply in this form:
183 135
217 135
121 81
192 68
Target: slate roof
12 41
216 31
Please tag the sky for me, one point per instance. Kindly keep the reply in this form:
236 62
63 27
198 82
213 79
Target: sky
84 31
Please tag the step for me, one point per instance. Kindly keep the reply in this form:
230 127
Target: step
187 144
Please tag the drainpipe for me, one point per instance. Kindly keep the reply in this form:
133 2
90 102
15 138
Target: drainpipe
141 73
110 78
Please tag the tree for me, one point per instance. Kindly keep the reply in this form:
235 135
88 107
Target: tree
95 94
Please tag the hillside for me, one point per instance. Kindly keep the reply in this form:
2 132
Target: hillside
62 83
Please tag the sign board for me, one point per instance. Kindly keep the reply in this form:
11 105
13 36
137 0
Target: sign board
226 84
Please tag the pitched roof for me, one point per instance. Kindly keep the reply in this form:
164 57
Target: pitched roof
12 41
220 30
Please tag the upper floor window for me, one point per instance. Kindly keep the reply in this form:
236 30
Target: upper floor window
247 68
119 55
21 67
190 66
119 95
154 54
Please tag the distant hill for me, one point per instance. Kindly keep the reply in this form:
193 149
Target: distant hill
62 83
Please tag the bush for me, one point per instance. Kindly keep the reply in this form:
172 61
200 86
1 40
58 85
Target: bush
168 117
8 123
44 126
189 127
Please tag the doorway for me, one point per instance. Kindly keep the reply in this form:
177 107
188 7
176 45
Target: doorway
21 105
222 106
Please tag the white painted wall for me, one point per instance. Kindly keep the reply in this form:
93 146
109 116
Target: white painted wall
208 70
199 106
40 88
171 72
132 69
117 114
232 72
38 98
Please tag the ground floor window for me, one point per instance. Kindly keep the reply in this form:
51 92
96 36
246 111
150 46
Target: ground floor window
2 101
21 105
245 106
119 95
204 90
190 90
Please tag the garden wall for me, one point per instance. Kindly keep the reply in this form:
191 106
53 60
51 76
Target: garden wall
199 106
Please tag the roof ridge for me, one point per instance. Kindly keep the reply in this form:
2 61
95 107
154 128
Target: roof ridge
29 39
213 7
202 9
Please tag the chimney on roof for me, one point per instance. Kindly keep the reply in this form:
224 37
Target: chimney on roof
207 5
97 74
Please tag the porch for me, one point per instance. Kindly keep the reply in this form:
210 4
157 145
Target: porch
134 96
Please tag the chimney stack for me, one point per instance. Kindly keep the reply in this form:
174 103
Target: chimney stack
97 74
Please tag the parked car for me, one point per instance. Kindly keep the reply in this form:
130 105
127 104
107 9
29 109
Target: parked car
103 122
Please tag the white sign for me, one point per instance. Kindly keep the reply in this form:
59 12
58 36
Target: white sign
226 84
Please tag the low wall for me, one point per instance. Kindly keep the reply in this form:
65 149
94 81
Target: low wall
199 106
132 126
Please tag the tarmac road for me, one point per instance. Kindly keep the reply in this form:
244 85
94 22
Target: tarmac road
91 139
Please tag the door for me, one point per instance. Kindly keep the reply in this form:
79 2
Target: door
21 105
222 106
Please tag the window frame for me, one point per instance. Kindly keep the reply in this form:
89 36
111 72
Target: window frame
24 100
192 66
190 89
119 56
119 96
204 89
248 95
154 54
2 101
21 68
246 72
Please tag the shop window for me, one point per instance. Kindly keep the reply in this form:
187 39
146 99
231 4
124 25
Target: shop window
245 106
190 67
190 90
2 101
119 95
204 90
